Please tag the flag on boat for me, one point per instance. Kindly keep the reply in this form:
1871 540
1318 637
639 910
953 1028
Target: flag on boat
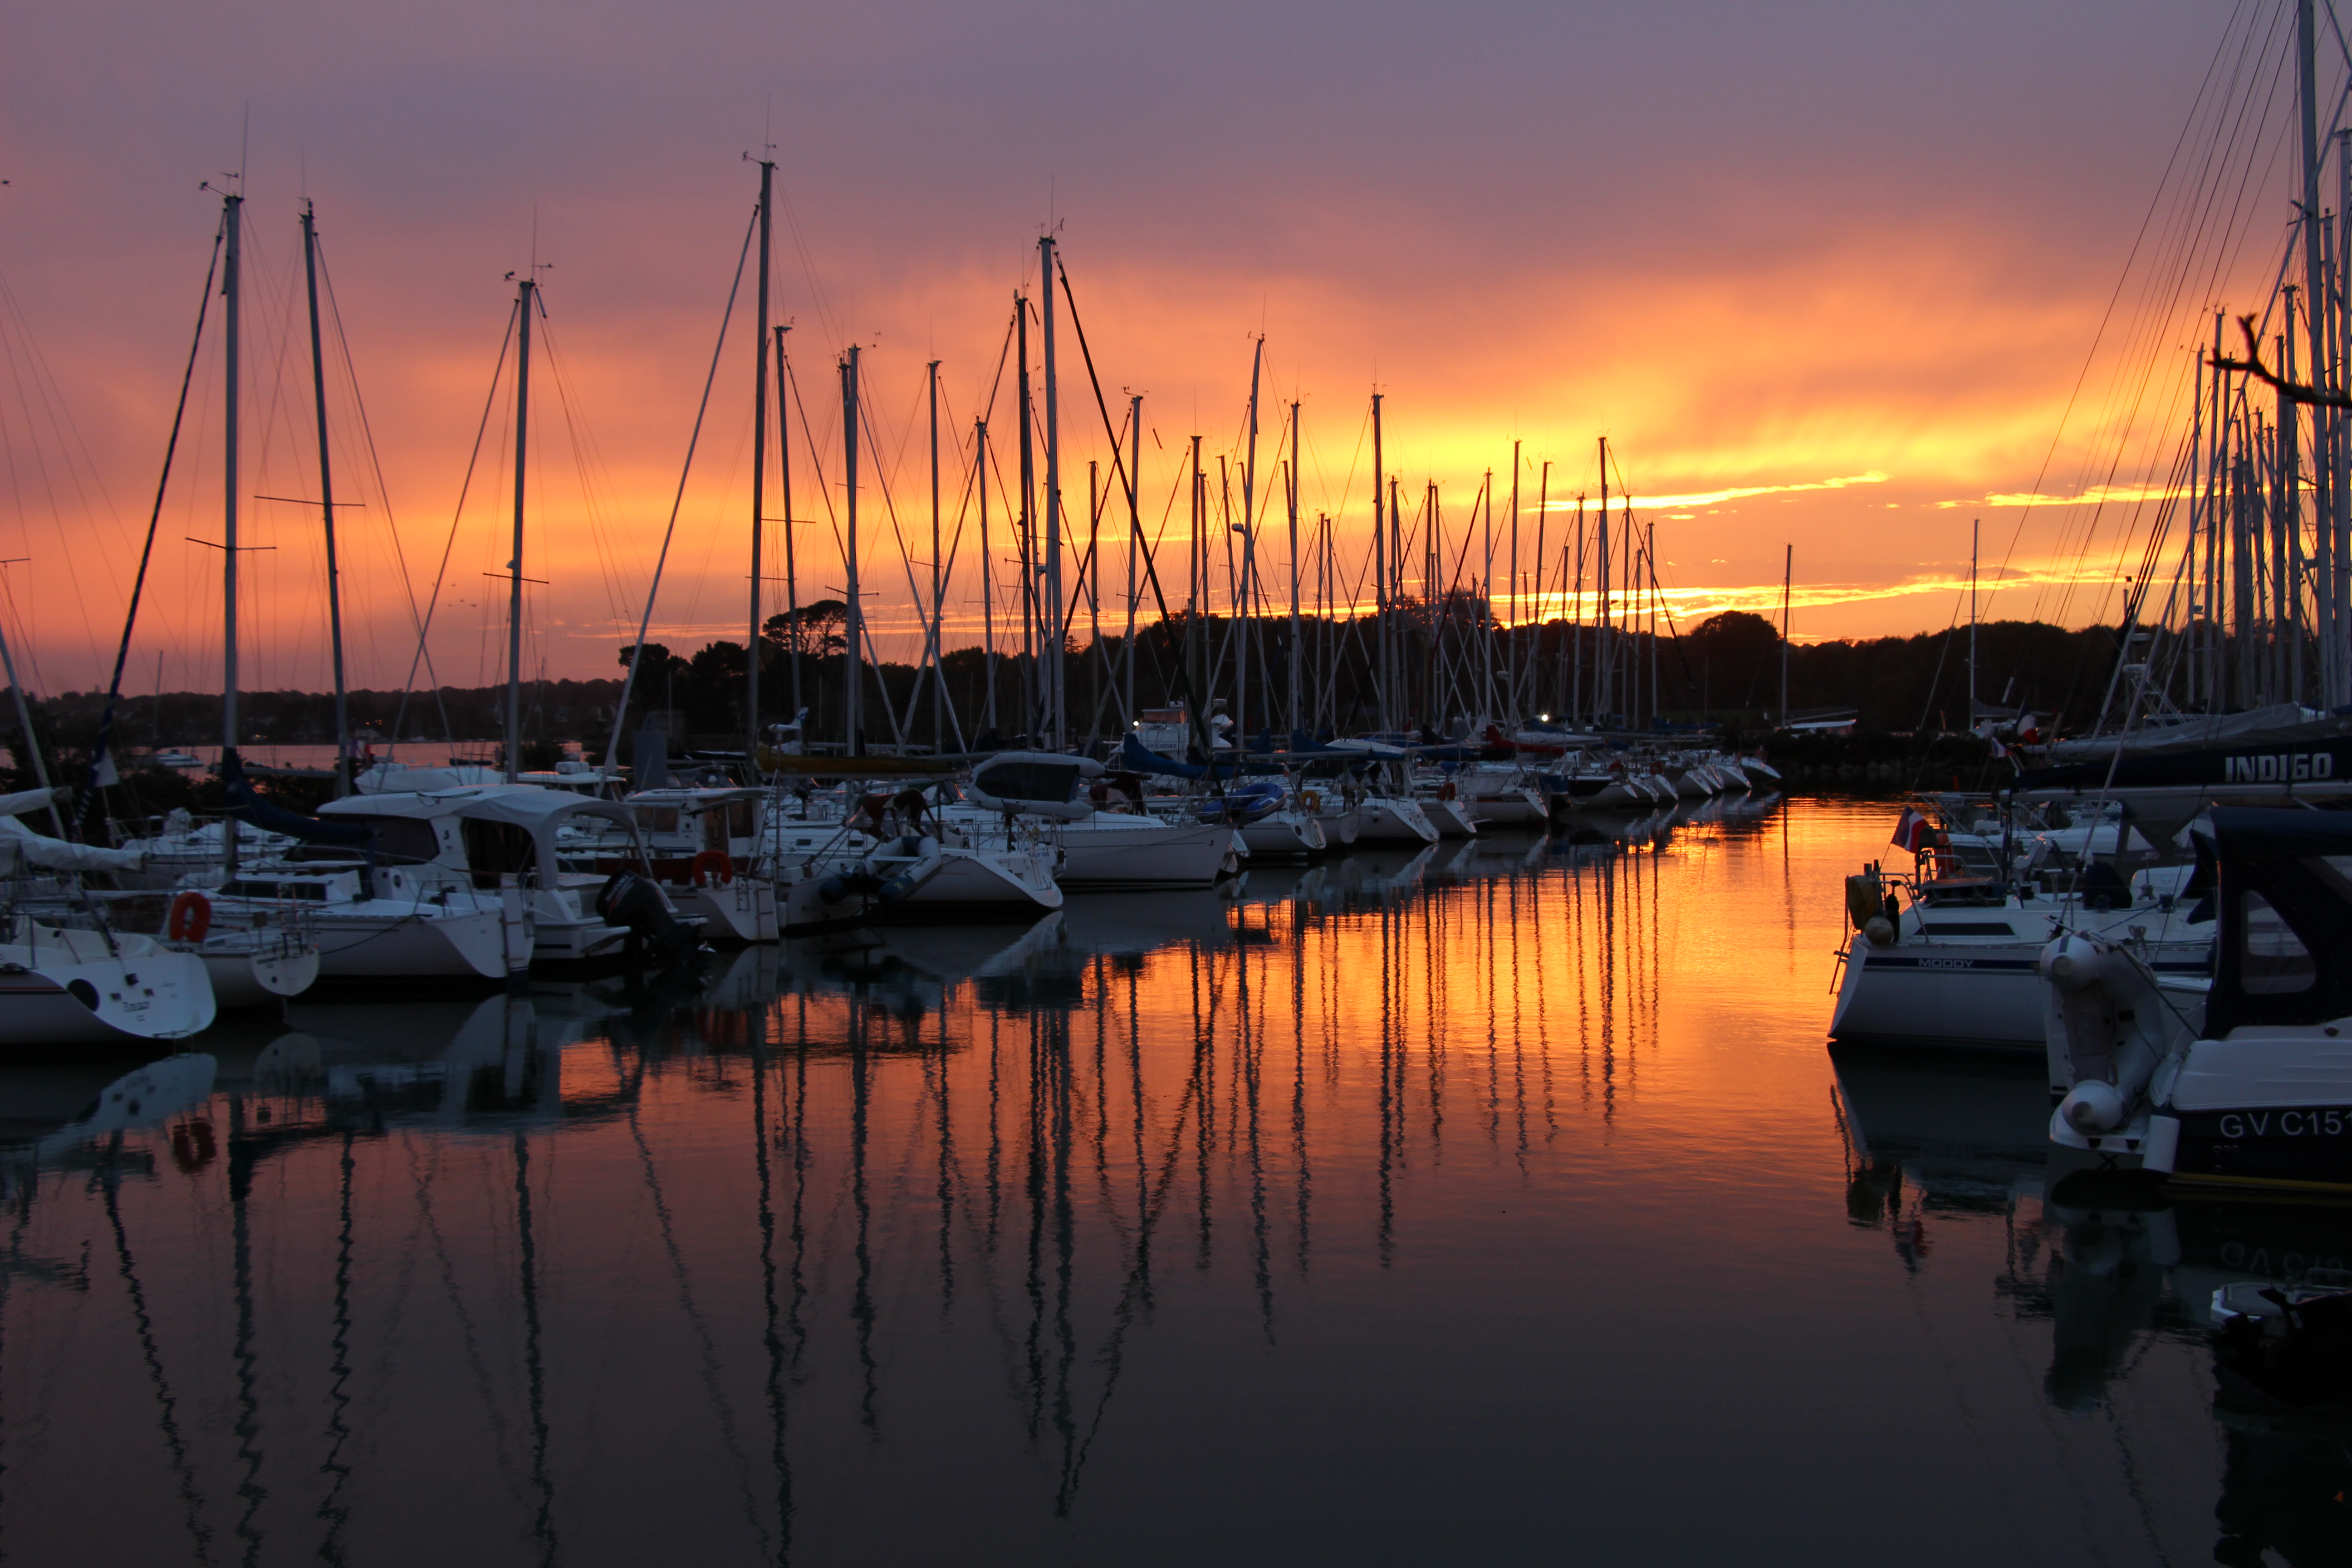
1911 833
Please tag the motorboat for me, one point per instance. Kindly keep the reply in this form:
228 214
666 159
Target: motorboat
1949 955
702 849
2256 1091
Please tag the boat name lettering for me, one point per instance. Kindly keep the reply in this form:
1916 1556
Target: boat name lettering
2278 767
2290 1123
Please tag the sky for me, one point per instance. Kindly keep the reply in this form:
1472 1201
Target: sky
1836 282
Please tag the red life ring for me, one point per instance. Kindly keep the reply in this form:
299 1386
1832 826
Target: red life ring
191 917
1445 790
719 868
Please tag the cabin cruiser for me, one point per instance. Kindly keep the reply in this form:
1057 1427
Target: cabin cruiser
1947 958
702 849
2256 1091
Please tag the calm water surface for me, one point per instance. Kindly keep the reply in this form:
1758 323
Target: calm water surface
1498 1202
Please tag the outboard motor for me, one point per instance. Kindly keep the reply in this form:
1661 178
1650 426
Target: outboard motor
629 901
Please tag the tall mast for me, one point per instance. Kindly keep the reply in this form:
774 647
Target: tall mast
2314 299
760 469
1056 703
1380 572
1510 604
1603 653
939 591
854 622
987 582
1249 562
231 273
1976 531
1134 532
514 600
784 474
1788 572
1296 721
327 509
1028 536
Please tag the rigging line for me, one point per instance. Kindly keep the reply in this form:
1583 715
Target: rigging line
457 515
97 761
367 432
2090 357
1151 565
621 711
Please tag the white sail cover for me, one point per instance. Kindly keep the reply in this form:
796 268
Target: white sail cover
27 800
20 845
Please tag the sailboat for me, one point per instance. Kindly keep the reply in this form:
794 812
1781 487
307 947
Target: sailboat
85 983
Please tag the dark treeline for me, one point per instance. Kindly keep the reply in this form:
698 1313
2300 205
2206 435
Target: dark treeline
1727 669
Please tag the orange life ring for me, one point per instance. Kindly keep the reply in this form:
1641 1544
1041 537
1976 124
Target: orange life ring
720 869
191 917
1445 790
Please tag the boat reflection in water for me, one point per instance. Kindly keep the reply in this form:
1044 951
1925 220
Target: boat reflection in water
1504 1180
2126 1293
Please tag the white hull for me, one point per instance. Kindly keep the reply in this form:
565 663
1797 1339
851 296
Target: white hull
1516 808
1285 835
1387 819
1452 818
411 946
60 993
1981 997
255 977
739 913
975 886
1150 854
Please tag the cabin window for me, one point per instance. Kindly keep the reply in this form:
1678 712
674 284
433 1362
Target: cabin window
497 849
2272 959
399 840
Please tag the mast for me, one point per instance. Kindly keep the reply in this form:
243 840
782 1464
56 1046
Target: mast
232 274
1380 573
784 473
1134 532
760 469
1788 572
855 621
1603 654
1976 529
327 508
1249 567
1056 673
939 592
514 601
1510 643
1292 502
2314 299
1028 525
987 584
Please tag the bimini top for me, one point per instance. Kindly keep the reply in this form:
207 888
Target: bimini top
2250 831
525 806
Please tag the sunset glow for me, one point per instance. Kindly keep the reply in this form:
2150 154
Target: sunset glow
1791 334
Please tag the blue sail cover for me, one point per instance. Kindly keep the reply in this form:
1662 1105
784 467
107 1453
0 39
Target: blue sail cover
1136 757
245 801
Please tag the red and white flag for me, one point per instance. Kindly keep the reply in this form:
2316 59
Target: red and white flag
1911 833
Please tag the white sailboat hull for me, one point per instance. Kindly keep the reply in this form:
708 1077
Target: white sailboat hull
1099 858
65 989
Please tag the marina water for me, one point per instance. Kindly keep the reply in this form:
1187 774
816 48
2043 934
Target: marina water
1501 1200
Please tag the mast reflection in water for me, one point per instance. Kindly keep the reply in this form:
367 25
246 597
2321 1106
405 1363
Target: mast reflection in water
1498 1199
